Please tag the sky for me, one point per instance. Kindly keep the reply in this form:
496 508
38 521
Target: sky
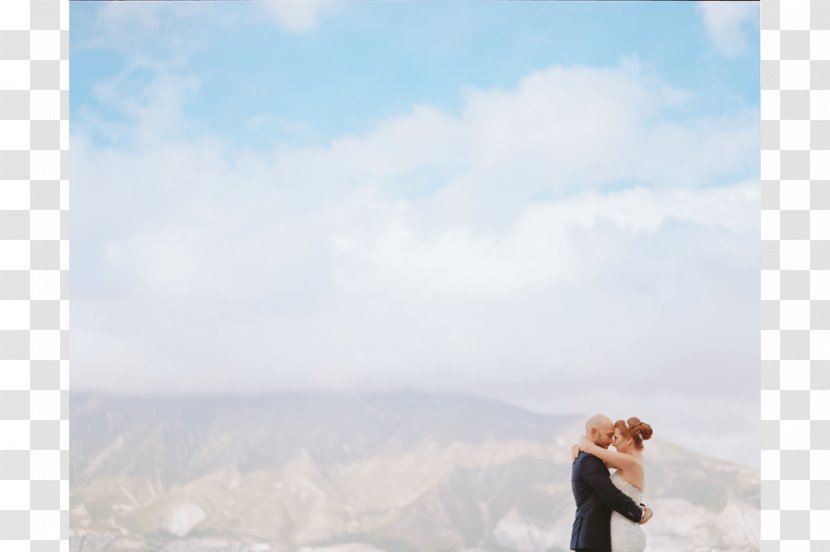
551 204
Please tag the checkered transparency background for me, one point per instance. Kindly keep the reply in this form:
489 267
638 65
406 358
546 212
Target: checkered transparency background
34 143
795 276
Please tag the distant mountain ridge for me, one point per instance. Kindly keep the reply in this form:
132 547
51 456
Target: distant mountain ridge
400 472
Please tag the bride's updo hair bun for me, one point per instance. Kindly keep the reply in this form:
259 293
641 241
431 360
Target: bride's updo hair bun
635 429
641 428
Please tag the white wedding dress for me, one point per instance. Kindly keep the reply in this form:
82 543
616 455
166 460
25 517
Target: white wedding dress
626 535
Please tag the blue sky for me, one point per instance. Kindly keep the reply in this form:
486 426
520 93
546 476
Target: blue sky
368 61
518 200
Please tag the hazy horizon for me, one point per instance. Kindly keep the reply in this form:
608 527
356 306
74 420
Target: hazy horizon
576 417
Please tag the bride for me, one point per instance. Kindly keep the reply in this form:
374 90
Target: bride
626 535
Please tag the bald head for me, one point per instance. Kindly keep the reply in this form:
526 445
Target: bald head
597 421
600 430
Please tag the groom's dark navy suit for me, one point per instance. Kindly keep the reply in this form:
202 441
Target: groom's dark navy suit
596 497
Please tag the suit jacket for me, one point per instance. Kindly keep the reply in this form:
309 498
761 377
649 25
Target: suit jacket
596 497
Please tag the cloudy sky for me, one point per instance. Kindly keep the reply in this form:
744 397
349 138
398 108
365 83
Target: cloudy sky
552 204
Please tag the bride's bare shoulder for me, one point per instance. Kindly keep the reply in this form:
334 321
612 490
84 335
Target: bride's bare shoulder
632 461
638 463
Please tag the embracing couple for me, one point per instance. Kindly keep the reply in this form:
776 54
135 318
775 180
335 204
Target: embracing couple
609 511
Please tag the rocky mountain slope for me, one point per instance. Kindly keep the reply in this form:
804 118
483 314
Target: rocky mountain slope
399 472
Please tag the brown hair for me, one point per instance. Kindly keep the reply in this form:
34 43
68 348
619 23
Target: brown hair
634 429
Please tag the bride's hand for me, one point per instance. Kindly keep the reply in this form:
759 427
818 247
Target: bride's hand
647 515
583 443
574 453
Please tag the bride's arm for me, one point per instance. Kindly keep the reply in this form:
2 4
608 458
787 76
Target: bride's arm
574 453
613 459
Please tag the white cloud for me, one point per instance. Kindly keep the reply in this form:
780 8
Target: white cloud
298 15
730 24
580 227
151 32
539 247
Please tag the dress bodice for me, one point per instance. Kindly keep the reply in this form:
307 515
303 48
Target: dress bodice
630 490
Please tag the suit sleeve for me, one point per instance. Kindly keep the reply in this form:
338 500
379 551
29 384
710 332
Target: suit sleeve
596 475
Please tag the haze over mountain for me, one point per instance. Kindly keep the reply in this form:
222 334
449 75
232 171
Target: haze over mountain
398 472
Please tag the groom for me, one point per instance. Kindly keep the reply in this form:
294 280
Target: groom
596 496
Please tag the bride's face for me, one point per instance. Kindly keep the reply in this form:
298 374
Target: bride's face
620 442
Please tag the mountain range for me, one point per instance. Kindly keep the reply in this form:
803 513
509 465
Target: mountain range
397 472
